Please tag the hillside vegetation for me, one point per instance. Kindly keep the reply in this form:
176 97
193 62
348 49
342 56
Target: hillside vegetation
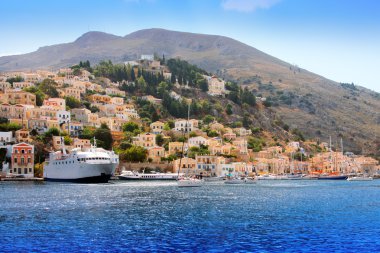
298 98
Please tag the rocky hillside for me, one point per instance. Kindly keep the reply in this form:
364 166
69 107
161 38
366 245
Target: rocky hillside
317 106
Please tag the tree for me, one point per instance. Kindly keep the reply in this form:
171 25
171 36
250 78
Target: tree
208 119
103 134
130 127
159 139
246 120
87 133
67 140
256 144
48 86
134 154
72 102
248 97
202 84
15 79
163 88
10 126
212 133
229 109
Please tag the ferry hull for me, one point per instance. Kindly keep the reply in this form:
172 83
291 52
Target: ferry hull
86 173
96 179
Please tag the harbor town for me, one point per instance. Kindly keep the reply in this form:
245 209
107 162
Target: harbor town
42 112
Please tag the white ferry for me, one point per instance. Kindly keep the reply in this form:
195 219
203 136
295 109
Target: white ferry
133 175
95 165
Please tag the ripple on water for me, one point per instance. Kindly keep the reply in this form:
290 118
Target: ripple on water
278 216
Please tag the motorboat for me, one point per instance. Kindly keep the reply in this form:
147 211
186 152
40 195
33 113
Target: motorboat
332 177
240 180
360 178
189 182
133 175
267 177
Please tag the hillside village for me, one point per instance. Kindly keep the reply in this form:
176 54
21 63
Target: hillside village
155 114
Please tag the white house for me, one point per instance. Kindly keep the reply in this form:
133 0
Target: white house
216 86
197 141
63 116
6 137
183 125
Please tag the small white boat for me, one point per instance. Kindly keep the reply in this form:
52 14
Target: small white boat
133 175
246 180
360 178
267 177
292 177
189 182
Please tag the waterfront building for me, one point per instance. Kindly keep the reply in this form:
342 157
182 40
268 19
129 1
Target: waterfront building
156 153
206 164
22 161
188 166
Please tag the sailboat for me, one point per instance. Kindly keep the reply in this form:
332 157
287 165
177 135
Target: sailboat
292 175
334 175
187 181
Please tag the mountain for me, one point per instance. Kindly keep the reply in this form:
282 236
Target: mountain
317 106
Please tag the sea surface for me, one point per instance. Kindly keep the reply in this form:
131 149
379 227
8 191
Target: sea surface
271 216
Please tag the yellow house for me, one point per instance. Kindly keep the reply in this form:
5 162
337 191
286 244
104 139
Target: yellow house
22 135
18 97
58 104
185 165
177 147
72 92
156 153
146 140
157 127
98 98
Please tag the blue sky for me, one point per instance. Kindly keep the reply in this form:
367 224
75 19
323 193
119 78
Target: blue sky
339 39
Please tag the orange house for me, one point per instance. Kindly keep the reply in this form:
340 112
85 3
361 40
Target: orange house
22 160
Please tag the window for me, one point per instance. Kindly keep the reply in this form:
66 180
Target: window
15 160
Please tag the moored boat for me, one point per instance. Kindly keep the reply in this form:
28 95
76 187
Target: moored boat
133 175
95 165
332 177
360 178
189 182
267 177
240 180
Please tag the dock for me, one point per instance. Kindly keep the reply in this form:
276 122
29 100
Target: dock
23 179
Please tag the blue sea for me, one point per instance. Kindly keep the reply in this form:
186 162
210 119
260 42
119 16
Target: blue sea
271 216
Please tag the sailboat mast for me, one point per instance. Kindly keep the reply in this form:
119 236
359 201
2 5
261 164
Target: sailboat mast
187 123
330 153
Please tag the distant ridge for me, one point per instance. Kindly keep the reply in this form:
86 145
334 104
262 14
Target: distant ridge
319 107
